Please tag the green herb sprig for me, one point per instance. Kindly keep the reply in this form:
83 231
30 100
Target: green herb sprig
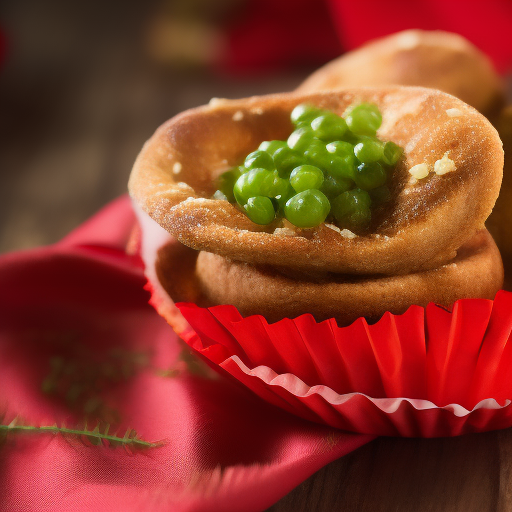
97 436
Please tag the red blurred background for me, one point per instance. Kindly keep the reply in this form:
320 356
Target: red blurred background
268 34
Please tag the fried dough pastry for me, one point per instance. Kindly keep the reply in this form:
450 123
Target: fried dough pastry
208 279
436 59
422 228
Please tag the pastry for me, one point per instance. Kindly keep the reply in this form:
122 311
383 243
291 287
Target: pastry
207 279
441 60
428 245
437 59
174 177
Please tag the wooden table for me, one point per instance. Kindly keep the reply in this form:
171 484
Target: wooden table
77 100
470 473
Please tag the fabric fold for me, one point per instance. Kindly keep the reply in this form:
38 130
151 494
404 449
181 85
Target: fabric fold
80 343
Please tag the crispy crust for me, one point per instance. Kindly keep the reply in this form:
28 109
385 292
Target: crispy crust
207 280
426 223
436 59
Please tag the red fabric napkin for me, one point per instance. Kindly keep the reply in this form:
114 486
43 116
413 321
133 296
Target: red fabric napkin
78 342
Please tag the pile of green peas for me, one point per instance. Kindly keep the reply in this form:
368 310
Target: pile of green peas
331 167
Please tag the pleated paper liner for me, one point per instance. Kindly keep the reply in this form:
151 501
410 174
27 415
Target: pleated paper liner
428 372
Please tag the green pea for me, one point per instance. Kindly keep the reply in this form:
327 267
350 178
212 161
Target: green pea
304 114
329 127
259 160
350 200
392 153
256 182
307 209
260 210
286 160
368 176
275 184
301 138
281 192
340 148
226 182
369 150
333 187
380 195
306 177
271 146
357 220
351 209
325 157
342 167
364 119
316 154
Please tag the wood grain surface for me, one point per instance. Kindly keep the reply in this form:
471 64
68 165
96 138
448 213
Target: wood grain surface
468 474
78 97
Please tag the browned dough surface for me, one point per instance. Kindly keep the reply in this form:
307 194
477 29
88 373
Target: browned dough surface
424 226
436 59
208 279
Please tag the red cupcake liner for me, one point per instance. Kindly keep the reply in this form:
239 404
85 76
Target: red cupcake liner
429 372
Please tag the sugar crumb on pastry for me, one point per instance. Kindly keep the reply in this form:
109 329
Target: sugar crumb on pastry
284 232
454 112
418 172
444 165
238 115
346 233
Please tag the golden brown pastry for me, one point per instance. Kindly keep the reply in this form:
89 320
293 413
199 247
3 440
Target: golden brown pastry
208 279
426 222
427 245
441 60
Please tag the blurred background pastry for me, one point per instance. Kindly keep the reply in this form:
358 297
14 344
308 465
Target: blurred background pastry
500 221
437 59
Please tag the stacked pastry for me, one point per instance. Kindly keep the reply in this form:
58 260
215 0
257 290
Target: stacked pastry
428 245
428 372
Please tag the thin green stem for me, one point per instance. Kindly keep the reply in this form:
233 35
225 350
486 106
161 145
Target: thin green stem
129 439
